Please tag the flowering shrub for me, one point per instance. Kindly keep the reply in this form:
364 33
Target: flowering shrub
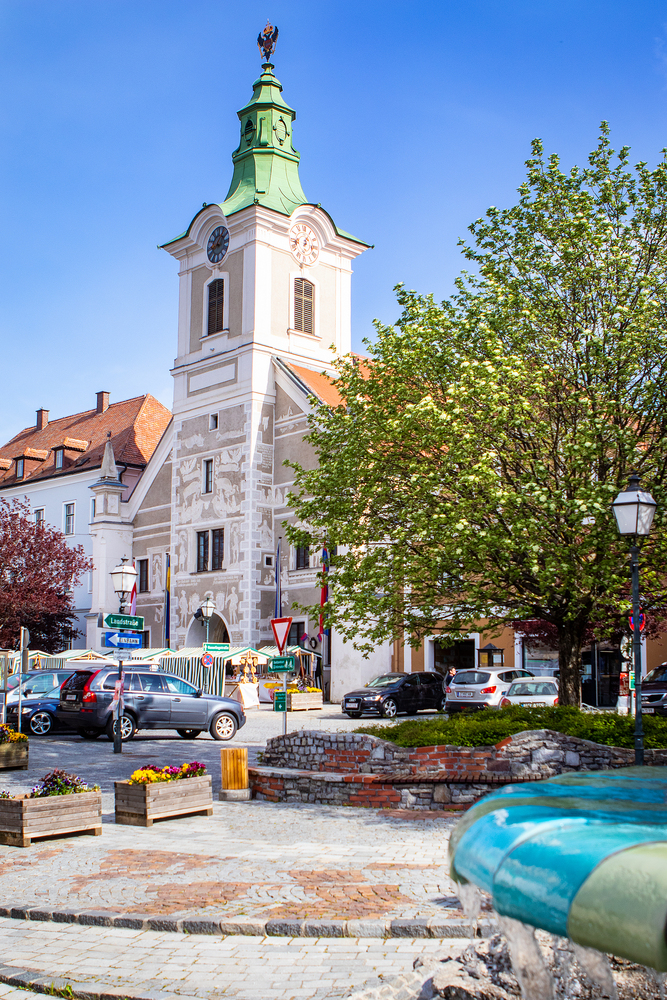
59 782
4 794
150 774
8 735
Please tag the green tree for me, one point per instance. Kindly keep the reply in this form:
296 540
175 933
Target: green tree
469 471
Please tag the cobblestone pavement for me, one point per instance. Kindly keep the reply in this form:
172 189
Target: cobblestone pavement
147 963
256 860
13 993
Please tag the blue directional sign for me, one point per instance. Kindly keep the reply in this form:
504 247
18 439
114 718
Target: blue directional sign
123 640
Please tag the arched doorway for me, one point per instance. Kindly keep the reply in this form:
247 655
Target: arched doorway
217 631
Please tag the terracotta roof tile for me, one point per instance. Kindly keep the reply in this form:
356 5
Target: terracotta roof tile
136 427
321 384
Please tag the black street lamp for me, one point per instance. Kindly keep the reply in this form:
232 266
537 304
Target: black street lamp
634 510
206 612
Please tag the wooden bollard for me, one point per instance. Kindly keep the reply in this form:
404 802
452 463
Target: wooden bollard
234 769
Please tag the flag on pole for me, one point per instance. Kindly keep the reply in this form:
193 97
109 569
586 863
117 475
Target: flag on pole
324 592
167 602
278 610
133 594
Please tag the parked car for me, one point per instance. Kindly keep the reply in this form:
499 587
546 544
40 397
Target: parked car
38 713
390 694
152 700
654 691
531 691
476 689
37 683
12 683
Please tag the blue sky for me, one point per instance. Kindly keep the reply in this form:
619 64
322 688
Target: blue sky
118 119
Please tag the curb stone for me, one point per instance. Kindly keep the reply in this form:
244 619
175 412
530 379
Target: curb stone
56 986
418 927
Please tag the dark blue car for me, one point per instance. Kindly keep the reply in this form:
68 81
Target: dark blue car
38 715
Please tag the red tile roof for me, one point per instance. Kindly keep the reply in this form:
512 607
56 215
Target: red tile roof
136 426
322 385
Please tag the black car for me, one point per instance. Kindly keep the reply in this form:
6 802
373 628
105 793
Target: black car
152 700
654 691
38 714
390 694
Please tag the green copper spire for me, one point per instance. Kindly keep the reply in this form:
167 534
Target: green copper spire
266 164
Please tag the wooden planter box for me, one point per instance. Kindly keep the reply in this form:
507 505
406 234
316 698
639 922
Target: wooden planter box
139 805
22 820
304 701
14 756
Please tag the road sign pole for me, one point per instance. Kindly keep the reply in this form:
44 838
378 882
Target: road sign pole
117 735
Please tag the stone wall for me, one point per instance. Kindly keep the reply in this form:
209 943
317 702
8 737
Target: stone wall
538 753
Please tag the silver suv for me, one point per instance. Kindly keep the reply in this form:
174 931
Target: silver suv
475 689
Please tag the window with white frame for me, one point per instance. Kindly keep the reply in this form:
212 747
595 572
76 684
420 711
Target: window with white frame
216 306
58 453
213 421
20 467
68 518
302 557
210 550
304 299
39 515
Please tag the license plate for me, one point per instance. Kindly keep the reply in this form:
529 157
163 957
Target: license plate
648 711
352 704
464 694
529 704
70 697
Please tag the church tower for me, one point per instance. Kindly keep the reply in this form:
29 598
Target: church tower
265 281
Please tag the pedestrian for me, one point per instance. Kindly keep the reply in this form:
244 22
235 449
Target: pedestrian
449 676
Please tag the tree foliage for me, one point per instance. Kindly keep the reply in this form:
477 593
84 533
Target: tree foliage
38 571
469 471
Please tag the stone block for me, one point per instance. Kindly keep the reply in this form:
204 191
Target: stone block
572 759
545 755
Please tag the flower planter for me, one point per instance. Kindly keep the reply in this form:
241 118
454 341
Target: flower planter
14 756
23 819
304 701
139 805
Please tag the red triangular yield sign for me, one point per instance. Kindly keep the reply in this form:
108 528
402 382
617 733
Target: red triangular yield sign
281 627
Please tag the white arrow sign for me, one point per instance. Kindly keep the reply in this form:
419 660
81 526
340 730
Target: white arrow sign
281 627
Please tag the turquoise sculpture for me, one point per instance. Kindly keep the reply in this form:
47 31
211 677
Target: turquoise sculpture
582 855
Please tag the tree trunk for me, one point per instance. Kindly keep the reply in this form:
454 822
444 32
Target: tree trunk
570 641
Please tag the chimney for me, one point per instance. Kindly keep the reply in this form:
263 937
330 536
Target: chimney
102 402
42 419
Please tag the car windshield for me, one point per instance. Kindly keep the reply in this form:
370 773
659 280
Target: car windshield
471 677
525 688
384 681
657 674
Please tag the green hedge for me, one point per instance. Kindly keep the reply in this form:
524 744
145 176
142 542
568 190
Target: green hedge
490 727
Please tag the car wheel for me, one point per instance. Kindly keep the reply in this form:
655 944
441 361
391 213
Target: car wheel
41 723
128 728
90 734
223 726
354 715
188 734
389 708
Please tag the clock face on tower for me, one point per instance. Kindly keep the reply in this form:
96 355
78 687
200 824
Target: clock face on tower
304 244
218 244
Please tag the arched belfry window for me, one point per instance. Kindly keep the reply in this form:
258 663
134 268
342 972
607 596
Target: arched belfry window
216 306
303 305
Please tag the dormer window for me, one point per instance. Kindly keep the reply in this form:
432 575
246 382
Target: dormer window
216 306
303 305
20 465
59 453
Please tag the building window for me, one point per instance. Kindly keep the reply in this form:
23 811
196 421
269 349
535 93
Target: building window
213 421
69 518
302 557
143 576
19 468
39 516
303 305
146 639
208 475
202 551
59 458
216 304
217 548
296 631
92 509
268 562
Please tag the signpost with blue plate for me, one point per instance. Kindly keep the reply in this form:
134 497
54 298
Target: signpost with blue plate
126 640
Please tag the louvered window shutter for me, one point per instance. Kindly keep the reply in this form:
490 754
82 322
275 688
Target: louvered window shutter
303 305
216 303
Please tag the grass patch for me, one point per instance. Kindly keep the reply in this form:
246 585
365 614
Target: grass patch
487 728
